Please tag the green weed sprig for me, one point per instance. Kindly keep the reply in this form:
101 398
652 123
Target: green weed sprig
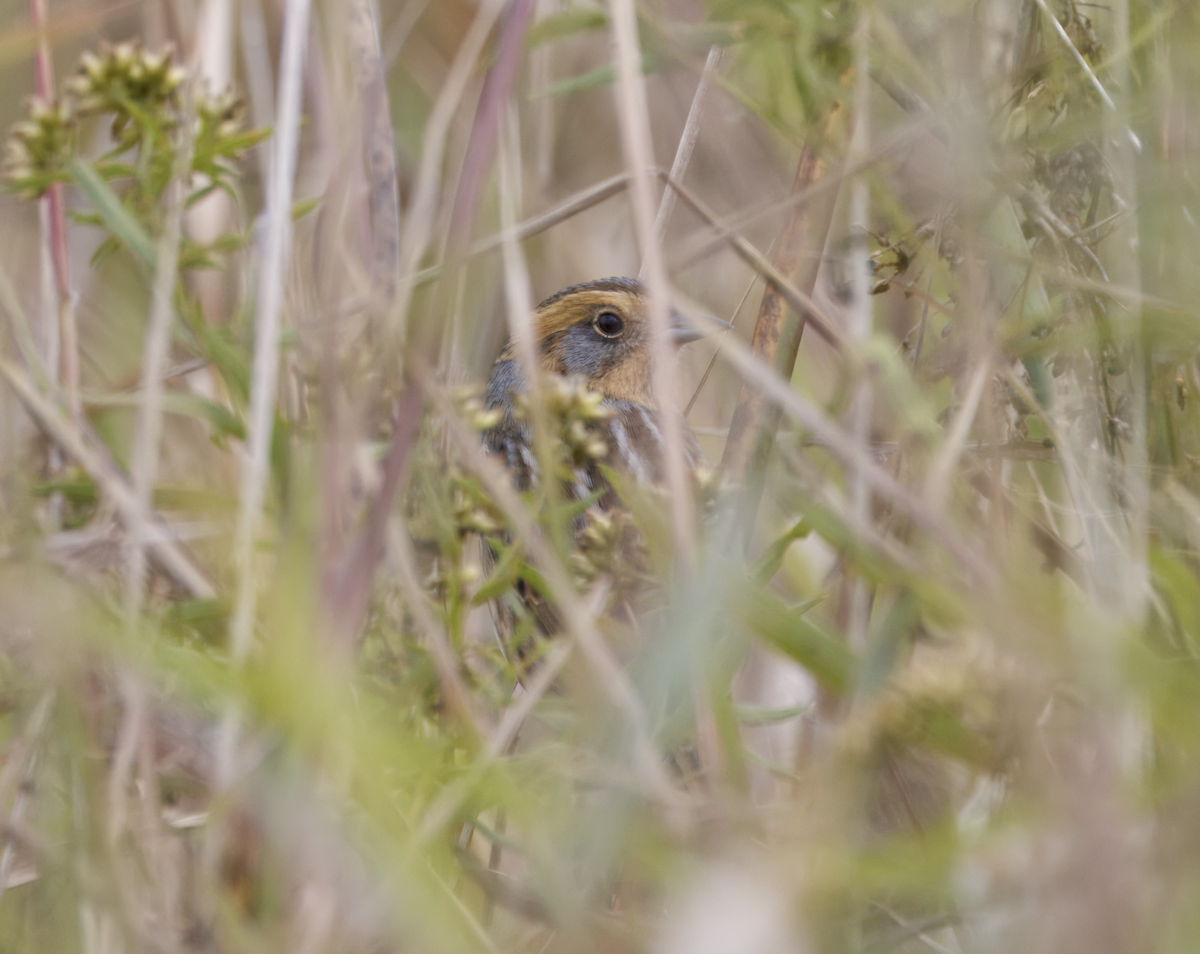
143 97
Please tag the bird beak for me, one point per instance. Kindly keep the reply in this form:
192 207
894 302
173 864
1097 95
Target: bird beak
684 331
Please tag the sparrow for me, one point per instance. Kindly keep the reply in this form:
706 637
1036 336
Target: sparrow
594 343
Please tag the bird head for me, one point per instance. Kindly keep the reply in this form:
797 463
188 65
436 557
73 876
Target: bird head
600 331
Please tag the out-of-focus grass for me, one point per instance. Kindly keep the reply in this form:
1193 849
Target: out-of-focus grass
937 691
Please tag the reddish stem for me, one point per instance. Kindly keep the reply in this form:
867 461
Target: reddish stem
56 215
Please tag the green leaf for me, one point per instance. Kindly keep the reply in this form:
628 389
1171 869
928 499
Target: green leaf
230 242
1176 582
759 715
593 79
35 184
503 577
201 194
226 355
831 661
80 490
220 418
232 146
103 250
772 558
567 23
114 170
304 206
118 219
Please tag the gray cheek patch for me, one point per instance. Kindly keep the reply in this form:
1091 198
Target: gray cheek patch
585 352
506 379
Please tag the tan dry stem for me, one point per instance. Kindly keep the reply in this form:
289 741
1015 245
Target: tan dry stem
777 336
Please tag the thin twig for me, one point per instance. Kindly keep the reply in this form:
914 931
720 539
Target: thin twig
1076 479
256 68
349 569
710 753
888 146
938 480
518 296
796 299
346 586
859 321
1126 265
265 368
62 337
687 142
777 339
712 362
581 201
452 798
133 725
57 312
410 13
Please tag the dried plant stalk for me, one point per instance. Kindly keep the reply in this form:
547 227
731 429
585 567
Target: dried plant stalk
777 334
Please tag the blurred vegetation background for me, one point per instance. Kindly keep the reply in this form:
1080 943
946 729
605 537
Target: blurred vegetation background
928 677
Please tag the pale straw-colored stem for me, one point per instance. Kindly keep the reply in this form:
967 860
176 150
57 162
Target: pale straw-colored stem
582 200
422 208
687 143
853 455
155 351
269 304
859 315
634 118
937 483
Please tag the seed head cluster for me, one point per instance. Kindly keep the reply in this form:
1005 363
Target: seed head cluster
140 92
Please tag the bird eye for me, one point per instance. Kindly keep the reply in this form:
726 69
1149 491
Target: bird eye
608 324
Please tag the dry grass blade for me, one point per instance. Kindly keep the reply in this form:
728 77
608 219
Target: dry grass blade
777 335
58 313
348 572
857 595
489 114
854 456
937 484
1083 65
634 121
580 202
889 146
687 143
796 299
379 146
347 583
712 362
155 352
422 206
265 369
138 521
